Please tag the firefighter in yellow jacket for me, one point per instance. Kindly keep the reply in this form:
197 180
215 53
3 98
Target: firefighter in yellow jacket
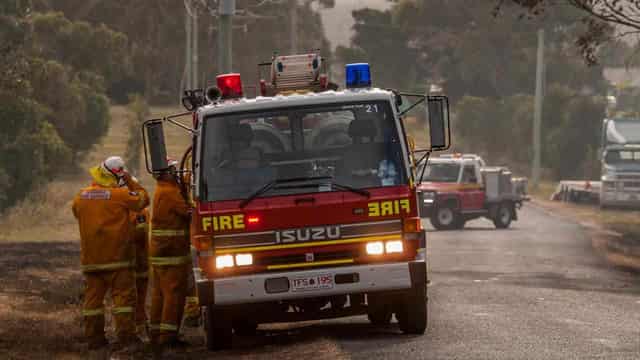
169 256
107 256
140 221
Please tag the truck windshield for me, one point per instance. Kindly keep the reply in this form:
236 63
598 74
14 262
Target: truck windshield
622 157
355 145
441 172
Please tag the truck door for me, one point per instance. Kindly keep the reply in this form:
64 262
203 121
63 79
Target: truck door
471 189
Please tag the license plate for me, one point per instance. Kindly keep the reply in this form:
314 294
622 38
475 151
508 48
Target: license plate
312 283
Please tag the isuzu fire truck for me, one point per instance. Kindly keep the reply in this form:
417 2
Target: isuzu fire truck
304 198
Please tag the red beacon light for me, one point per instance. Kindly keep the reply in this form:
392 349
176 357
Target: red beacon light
230 85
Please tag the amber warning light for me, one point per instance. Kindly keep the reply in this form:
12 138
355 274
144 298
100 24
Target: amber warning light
230 85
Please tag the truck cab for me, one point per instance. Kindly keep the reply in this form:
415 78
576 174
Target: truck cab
305 203
620 163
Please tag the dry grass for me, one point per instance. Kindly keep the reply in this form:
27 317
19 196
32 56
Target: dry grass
45 215
625 222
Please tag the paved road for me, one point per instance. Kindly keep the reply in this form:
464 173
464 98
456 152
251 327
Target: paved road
536 291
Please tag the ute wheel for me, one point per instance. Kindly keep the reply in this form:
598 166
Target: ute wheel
503 216
244 327
217 327
445 218
412 311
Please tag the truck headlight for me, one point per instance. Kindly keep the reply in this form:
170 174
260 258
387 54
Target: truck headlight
224 261
244 259
394 246
375 248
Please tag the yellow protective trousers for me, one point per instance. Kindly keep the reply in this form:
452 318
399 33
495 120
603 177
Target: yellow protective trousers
122 285
192 307
141 286
169 284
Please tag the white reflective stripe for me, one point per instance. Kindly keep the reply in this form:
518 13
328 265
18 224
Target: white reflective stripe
169 260
168 327
108 266
142 275
142 226
156 232
93 312
122 310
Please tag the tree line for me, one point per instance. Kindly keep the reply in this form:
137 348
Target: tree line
65 62
484 57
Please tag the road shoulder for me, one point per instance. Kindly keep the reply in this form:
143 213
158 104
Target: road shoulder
620 248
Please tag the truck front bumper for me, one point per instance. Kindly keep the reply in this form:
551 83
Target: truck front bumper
268 287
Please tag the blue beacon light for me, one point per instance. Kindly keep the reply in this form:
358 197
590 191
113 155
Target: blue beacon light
358 75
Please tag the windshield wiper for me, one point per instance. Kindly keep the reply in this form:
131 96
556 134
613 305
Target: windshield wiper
271 184
352 189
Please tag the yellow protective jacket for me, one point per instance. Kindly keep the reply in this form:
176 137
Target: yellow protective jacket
169 240
104 219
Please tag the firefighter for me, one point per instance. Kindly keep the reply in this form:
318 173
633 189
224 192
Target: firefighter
140 221
169 256
191 307
103 213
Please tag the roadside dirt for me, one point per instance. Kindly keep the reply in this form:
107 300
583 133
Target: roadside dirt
614 234
40 301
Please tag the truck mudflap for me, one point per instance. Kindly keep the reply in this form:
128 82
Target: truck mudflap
292 285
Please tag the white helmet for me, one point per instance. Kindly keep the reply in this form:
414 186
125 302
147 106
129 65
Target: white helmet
114 165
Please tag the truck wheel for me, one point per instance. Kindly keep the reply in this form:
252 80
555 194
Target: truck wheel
244 327
378 311
445 218
217 327
503 216
380 317
412 311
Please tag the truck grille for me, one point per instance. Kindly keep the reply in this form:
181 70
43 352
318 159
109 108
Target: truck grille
302 258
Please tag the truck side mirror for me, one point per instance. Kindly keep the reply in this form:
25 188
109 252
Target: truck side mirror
157 148
439 129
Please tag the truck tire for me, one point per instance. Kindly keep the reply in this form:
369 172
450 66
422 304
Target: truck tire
379 309
412 311
218 330
503 216
445 217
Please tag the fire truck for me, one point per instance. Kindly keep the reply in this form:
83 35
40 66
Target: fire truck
305 202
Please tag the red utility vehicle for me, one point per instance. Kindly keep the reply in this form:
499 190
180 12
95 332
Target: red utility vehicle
305 199
457 188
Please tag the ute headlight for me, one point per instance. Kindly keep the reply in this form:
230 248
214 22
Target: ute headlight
244 259
428 197
394 246
375 248
224 261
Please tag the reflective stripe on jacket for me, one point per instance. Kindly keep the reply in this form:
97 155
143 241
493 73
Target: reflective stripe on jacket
103 216
169 224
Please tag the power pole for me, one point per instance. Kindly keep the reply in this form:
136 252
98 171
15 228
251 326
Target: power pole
293 25
188 84
226 10
537 114
195 52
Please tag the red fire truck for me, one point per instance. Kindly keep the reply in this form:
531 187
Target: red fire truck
305 198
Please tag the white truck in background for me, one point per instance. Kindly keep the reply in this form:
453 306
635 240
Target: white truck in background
620 159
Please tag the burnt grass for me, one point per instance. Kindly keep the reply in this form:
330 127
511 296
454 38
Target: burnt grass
40 301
